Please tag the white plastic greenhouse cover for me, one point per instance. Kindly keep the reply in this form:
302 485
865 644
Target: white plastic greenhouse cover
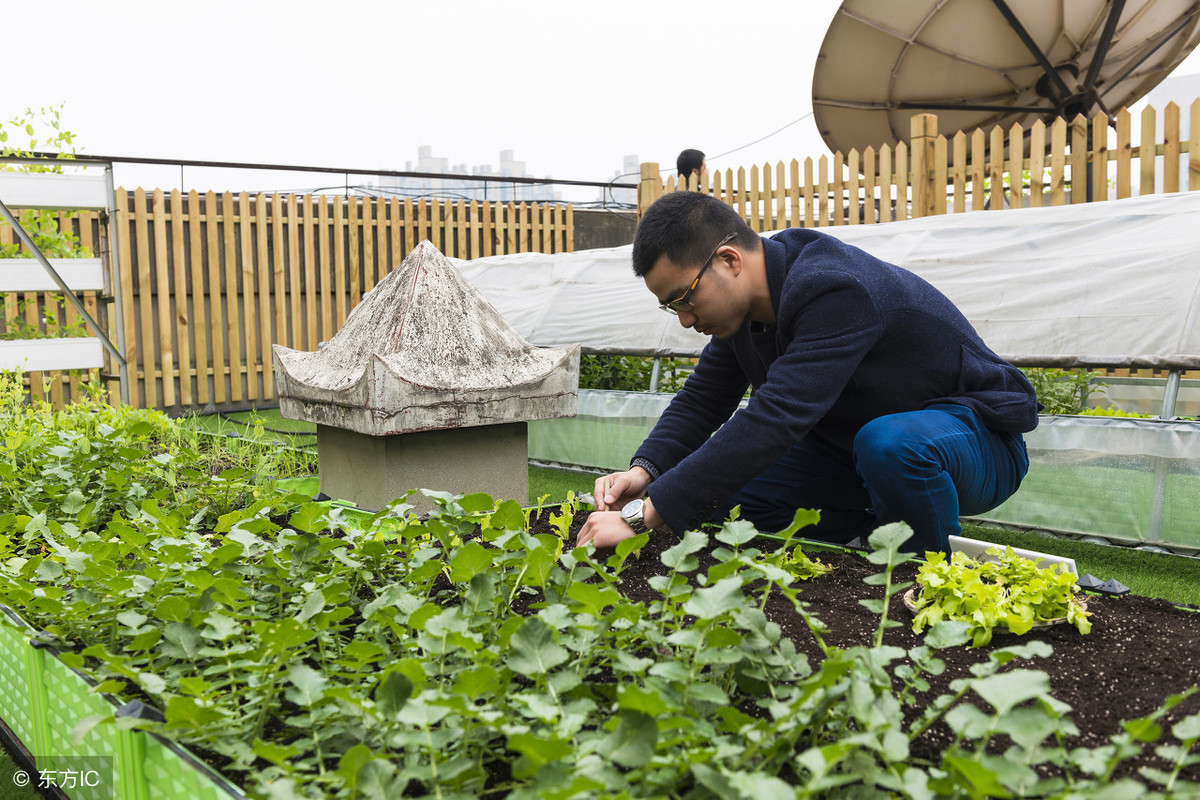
590 297
1112 283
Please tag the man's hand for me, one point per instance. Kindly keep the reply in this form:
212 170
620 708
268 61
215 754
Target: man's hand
613 491
604 529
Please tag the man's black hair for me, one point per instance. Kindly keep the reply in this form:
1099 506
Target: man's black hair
689 160
686 226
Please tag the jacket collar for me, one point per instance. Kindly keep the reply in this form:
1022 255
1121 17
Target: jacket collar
776 261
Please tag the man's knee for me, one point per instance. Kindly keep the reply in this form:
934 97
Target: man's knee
888 443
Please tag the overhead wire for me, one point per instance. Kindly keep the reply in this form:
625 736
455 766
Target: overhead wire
607 201
763 138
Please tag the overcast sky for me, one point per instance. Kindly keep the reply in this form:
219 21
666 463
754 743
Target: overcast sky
570 87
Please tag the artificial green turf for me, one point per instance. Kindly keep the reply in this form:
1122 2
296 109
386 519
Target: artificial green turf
291 432
555 484
9 788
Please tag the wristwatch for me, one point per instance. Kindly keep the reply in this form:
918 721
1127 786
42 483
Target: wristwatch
632 515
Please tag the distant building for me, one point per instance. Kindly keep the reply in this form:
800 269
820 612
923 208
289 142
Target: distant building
482 187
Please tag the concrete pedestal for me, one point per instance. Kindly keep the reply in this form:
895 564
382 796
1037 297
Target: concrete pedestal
372 471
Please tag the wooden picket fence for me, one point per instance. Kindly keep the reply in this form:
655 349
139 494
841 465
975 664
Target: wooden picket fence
208 283
1076 162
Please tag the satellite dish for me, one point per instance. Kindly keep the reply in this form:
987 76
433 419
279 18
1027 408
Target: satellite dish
980 63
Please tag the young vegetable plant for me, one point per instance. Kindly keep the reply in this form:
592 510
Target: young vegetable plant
1011 592
315 653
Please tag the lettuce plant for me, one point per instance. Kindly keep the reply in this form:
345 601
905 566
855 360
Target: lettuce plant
1012 593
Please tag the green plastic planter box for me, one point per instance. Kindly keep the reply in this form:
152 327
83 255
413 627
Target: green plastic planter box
42 700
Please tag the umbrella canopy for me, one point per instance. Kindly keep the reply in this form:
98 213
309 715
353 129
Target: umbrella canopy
980 63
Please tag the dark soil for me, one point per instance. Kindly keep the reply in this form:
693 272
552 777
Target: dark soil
1140 650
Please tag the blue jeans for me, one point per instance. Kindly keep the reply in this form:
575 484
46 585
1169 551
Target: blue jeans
924 467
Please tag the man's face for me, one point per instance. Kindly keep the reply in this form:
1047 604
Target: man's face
714 308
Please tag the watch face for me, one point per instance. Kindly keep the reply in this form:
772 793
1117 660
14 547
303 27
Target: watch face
632 510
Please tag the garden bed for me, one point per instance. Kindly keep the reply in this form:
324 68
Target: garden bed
308 650
1140 650
543 666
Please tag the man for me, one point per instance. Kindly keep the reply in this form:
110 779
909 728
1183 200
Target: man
690 164
874 400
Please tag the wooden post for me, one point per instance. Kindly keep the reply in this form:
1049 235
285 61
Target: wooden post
1146 152
650 186
923 136
1171 148
1194 148
996 168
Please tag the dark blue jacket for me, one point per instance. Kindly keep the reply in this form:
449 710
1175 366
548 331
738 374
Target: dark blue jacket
854 338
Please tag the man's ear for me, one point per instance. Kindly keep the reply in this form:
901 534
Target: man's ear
733 258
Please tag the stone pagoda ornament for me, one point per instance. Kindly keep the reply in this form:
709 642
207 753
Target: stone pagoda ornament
425 386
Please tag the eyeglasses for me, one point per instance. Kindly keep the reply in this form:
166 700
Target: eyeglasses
683 303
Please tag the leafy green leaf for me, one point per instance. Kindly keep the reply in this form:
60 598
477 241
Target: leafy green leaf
1187 729
539 750
737 533
801 519
309 685
889 538
710 602
352 762
392 693
85 725
377 780
469 560
280 636
677 555
476 503
310 517
595 598
173 608
508 516
1007 690
947 634
74 502
276 753
187 712
477 682
635 698
979 781
532 649
185 639
632 743
537 565
633 544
